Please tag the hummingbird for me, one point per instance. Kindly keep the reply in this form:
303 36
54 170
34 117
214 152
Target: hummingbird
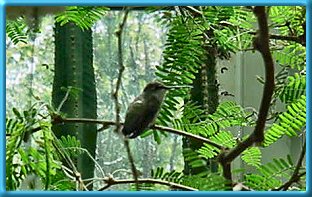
143 110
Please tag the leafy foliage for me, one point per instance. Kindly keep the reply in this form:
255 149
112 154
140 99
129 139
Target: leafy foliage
84 17
212 182
252 156
209 182
192 34
212 126
172 176
15 130
289 21
72 143
194 159
290 122
17 30
223 138
177 58
38 160
182 57
227 115
270 175
293 90
292 56
32 158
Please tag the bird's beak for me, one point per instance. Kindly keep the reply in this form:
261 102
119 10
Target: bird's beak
176 87
167 87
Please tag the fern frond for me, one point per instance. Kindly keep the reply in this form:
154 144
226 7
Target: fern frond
23 160
290 122
69 141
194 159
207 151
224 138
228 114
292 56
293 90
172 176
208 182
16 30
15 129
84 17
270 175
252 156
182 58
211 182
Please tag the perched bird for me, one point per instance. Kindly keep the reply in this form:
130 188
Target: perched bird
142 112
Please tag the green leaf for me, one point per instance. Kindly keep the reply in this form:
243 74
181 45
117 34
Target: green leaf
252 156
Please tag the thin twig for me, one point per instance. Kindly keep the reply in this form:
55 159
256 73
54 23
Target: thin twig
107 123
115 95
284 38
121 69
132 165
65 156
189 135
47 158
295 176
110 181
90 156
63 100
60 120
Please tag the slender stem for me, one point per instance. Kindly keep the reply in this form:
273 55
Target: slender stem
189 135
286 38
106 123
296 175
121 69
112 181
132 165
115 95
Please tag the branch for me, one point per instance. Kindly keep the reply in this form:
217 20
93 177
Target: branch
286 38
115 95
121 69
261 43
189 135
60 120
295 176
132 165
111 181
106 123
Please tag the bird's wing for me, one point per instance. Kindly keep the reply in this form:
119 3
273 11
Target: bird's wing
137 119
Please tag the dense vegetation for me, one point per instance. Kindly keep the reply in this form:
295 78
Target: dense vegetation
71 77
